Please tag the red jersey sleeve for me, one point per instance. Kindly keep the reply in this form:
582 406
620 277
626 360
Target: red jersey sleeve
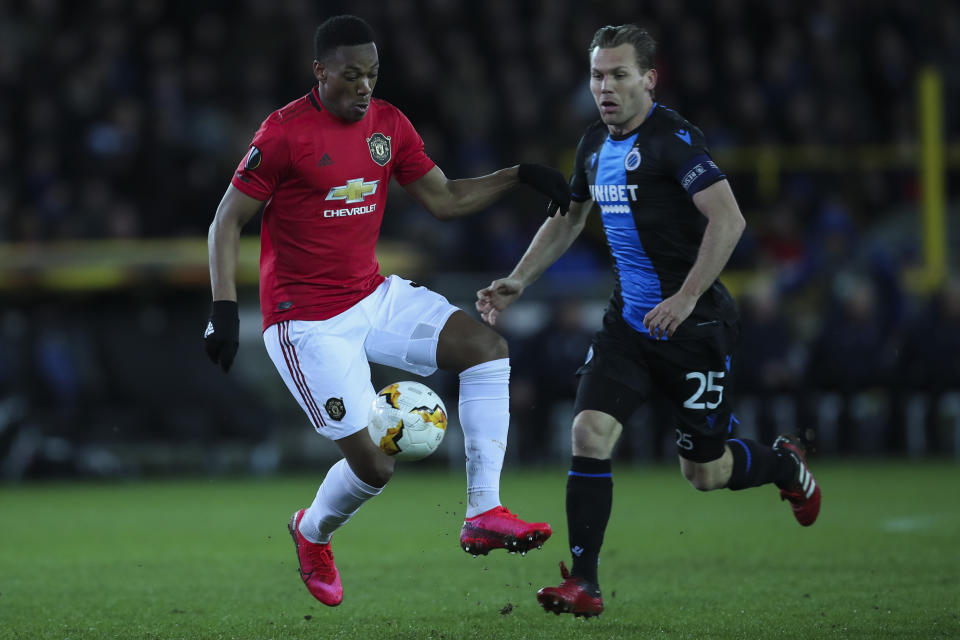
266 162
412 161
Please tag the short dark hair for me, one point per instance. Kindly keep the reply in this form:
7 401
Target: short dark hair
340 31
643 43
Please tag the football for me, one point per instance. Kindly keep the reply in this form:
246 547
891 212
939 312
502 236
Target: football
407 420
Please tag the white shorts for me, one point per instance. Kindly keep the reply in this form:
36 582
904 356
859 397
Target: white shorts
326 363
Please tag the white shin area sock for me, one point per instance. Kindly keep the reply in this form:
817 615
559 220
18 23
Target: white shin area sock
485 419
340 495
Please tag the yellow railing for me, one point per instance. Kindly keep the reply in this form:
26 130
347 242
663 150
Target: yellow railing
931 157
97 265
771 162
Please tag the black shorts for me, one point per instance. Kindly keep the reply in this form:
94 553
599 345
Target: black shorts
624 368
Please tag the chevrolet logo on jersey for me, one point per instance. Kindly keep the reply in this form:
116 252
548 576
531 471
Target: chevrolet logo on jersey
354 191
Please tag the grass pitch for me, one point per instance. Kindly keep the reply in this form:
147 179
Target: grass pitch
211 558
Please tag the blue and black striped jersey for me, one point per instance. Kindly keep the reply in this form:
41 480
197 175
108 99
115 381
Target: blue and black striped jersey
643 183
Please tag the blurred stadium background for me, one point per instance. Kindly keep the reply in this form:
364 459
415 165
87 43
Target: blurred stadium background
122 121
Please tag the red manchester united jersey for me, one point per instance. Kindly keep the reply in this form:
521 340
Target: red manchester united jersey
325 183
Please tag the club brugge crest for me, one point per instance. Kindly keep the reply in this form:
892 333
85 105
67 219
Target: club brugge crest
335 408
379 148
632 161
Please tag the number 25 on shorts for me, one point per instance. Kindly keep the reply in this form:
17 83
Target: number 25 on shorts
707 384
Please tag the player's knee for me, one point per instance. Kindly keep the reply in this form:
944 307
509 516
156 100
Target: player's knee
702 477
496 346
699 482
465 342
594 440
485 347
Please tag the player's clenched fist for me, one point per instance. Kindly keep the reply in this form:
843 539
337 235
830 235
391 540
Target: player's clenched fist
222 336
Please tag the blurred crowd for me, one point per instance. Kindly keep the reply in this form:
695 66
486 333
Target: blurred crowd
126 119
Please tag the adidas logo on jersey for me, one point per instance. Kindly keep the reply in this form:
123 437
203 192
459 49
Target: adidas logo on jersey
325 161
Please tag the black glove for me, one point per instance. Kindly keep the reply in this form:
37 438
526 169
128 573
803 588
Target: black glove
222 336
549 182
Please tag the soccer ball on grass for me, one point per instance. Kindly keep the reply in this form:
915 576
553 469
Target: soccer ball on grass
407 420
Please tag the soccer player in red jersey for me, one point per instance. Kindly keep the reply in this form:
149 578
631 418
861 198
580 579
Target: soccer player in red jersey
319 167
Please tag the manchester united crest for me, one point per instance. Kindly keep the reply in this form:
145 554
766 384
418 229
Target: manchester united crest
379 148
335 408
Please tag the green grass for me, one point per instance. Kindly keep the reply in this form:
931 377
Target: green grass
211 558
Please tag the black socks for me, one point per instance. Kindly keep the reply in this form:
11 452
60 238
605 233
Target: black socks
590 495
589 500
755 464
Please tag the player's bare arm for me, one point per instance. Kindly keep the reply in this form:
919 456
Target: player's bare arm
449 199
223 238
725 224
553 238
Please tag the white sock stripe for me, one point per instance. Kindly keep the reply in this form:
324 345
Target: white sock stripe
490 371
334 514
484 398
367 490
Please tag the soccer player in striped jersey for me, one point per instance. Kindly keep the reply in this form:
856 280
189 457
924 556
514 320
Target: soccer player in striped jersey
671 328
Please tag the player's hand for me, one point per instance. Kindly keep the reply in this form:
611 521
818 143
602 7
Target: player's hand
666 317
549 182
222 336
497 297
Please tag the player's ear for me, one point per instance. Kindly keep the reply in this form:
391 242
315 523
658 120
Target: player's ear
650 79
319 71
